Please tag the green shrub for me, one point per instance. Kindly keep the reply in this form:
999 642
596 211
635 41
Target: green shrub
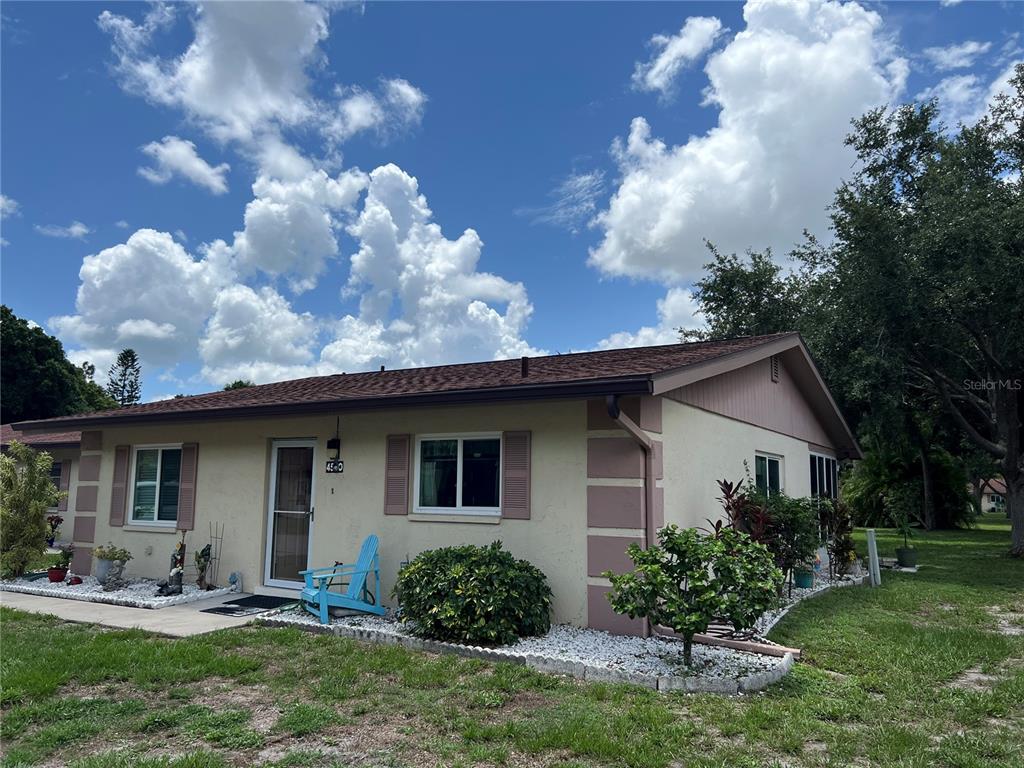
793 535
26 492
110 551
470 594
693 578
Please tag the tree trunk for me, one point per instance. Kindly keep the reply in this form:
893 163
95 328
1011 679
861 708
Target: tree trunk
687 649
1015 507
930 523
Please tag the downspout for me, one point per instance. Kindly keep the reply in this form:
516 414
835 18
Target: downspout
647 446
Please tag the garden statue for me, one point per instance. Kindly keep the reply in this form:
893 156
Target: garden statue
203 558
115 577
172 584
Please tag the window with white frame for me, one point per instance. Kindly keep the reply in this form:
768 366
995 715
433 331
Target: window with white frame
55 472
155 480
458 473
768 473
824 476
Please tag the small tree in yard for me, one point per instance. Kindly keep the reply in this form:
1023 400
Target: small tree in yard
792 531
693 578
27 492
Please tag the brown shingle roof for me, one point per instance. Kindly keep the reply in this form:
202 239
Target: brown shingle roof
615 371
9 433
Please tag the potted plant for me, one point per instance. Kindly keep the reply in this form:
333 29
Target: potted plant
105 556
59 570
803 576
906 555
53 522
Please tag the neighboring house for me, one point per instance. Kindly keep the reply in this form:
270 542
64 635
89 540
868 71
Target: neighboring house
567 459
993 495
64 448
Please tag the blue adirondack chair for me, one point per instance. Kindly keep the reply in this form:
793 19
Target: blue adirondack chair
318 599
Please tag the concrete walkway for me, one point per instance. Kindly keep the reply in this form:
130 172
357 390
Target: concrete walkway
176 620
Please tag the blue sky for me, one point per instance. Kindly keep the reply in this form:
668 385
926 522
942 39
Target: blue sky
269 191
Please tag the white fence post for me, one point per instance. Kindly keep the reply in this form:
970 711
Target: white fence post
874 571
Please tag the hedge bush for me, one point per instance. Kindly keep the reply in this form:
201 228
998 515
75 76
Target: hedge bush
471 594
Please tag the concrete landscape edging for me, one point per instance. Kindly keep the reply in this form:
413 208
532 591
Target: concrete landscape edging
546 664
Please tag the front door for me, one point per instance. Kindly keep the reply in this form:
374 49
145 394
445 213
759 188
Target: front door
290 513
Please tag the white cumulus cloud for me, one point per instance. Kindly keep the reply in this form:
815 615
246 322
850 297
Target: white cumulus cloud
965 98
678 309
255 334
8 206
957 56
147 293
786 87
673 53
290 226
173 156
76 230
398 106
422 299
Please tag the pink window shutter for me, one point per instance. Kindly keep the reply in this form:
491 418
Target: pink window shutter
119 489
515 479
187 486
396 475
65 483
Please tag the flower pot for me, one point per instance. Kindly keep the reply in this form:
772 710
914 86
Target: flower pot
906 557
803 579
57 574
102 570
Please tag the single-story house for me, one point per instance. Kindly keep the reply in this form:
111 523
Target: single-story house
993 495
64 448
567 459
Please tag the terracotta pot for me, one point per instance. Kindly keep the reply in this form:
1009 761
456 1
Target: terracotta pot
57 574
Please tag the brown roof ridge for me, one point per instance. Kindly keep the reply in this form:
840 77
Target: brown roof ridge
587 373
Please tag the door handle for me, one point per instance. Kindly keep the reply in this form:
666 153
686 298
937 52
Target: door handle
312 513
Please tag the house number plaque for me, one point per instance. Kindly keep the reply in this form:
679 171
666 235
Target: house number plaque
335 466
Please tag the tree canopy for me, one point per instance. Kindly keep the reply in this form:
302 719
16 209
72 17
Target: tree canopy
38 380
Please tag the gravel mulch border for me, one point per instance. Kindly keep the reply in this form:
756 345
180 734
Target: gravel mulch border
140 593
586 654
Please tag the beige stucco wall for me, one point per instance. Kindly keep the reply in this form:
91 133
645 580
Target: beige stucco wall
702 448
232 486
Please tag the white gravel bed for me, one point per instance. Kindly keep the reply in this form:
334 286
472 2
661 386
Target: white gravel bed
588 653
768 621
139 593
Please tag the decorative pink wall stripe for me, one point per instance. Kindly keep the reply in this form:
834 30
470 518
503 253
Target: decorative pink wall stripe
85 529
658 513
81 561
601 616
85 498
92 441
613 506
608 553
89 468
618 457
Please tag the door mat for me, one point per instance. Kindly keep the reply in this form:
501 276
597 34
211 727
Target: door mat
234 610
265 602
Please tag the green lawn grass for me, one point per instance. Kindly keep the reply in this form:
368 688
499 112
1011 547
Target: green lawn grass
917 673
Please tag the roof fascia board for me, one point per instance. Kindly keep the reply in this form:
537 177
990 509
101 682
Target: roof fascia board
620 386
